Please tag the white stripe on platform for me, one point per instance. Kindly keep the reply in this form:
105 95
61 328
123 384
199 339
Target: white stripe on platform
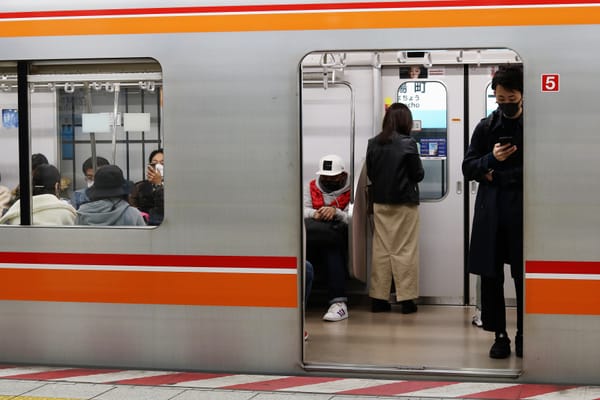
578 393
228 381
458 390
338 386
110 377
8 372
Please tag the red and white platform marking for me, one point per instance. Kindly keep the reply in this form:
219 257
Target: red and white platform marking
304 384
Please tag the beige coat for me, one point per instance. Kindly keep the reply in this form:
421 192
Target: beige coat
47 209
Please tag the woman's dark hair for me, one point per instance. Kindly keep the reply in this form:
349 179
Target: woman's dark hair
38 159
155 152
44 180
398 118
510 77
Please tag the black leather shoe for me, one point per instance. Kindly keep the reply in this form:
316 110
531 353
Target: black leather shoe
519 345
408 307
378 305
501 347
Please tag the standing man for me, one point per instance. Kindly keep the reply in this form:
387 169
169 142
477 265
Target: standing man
495 160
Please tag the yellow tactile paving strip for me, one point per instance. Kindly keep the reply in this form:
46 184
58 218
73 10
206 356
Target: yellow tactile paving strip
34 398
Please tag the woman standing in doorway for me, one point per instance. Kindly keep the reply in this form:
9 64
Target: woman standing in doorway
395 169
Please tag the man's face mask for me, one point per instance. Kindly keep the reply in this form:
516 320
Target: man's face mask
331 183
509 109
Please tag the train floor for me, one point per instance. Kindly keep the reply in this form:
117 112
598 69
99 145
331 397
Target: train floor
435 337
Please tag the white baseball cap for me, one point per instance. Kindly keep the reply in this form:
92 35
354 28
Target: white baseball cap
331 165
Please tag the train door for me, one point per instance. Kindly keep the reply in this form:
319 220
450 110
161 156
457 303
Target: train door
435 99
343 100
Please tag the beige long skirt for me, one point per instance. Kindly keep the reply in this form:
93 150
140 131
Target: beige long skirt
395 251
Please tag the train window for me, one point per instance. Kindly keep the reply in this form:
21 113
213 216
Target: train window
490 100
9 145
427 100
82 115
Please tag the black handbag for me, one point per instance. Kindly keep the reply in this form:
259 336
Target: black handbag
325 233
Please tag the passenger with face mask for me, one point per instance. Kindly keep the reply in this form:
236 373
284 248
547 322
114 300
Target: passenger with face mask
148 194
495 160
79 196
326 199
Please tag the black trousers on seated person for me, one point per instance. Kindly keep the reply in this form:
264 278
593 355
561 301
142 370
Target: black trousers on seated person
333 260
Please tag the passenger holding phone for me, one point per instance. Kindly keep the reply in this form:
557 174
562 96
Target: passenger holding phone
155 170
148 194
495 160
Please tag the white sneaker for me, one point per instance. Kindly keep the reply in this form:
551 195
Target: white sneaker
477 319
336 312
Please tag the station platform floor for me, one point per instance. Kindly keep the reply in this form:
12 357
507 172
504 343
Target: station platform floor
64 383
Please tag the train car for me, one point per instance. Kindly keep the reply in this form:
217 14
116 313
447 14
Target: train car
244 97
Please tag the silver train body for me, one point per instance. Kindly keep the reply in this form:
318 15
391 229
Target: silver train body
218 286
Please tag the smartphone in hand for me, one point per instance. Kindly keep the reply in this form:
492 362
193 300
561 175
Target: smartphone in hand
505 139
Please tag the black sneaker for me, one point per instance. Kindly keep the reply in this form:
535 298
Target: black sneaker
378 305
408 307
519 345
501 347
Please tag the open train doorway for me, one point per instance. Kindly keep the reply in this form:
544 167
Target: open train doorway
344 95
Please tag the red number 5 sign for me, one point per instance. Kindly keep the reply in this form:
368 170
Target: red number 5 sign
550 82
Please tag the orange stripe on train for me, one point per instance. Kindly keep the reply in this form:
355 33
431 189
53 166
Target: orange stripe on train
139 287
562 296
304 21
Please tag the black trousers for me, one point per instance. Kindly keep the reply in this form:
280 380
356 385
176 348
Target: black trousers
493 307
509 250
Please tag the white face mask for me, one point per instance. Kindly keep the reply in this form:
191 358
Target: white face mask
161 169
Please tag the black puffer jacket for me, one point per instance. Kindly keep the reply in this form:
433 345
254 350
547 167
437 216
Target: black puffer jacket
395 169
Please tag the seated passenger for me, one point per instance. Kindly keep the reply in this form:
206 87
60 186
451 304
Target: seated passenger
79 197
326 201
148 195
5 198
47 208
108 204
37 159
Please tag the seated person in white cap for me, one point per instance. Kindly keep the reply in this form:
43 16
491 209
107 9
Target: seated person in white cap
108 200
326 199
46 207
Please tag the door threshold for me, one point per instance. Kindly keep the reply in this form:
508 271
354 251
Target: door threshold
411 370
